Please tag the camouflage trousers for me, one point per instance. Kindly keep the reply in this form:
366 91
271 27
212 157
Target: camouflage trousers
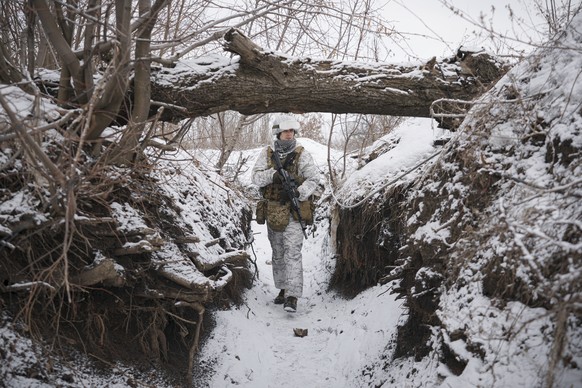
287 259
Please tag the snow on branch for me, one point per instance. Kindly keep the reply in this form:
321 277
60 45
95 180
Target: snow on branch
27 286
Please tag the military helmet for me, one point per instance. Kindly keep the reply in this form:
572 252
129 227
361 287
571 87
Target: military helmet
285 123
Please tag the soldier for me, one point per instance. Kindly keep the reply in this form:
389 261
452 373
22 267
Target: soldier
284 229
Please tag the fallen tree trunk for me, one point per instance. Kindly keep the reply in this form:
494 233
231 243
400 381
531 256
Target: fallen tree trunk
258 81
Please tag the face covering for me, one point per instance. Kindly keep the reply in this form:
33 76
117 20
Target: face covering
285 146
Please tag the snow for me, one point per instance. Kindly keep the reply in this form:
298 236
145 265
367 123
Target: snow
503 343
414 142
254 345
211 66
23 202
351 343
128 218
27 107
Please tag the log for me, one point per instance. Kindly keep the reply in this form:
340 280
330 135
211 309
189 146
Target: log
141 231
184 277
220 282
25 286
260 81
192 254
234 257
161 146
390 277
27 221
213 242
7 245
94 220
5 232
171 293
187 239
137 248
114 232
105 271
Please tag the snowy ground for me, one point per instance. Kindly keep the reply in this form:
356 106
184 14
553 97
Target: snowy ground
255 345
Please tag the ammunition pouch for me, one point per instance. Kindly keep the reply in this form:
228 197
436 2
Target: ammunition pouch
261 212
277 215
306 209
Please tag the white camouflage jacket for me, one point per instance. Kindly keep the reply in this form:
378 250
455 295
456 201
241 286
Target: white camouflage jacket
262 174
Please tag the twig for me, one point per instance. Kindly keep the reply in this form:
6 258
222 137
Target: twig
199 308
28 286
43 128
32 147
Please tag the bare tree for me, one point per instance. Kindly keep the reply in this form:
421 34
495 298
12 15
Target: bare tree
311 126
229 138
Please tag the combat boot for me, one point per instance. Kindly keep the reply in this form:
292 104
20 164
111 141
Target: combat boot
280 299
290 304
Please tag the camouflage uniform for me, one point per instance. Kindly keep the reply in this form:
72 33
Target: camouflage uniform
286 236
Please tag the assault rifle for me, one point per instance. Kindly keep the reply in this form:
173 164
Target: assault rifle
290 188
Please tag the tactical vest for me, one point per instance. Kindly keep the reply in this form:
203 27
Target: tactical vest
275 190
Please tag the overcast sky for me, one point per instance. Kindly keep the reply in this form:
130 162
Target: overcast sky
433 29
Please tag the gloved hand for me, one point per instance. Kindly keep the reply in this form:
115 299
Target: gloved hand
295 177
285 196
277 178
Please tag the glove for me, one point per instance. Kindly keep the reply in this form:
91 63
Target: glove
295 177
277 178
285 196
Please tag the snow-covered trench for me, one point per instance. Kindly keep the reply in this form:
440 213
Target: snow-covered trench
254 345
350 342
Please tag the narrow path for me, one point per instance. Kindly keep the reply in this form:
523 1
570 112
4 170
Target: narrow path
254 345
